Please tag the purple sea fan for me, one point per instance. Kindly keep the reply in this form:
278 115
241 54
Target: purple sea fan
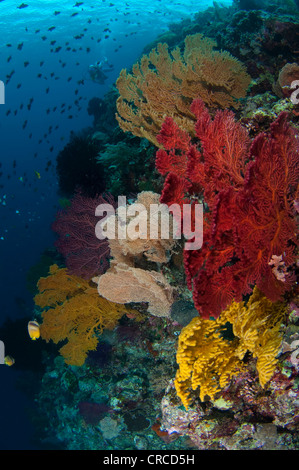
85 255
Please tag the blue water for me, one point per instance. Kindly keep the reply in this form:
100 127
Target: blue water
33 130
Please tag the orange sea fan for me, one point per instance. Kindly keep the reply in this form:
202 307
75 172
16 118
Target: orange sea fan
165 83
75 312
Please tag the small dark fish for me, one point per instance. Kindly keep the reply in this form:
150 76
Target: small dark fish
19 85
57 13
9 58
69 79
51 28
8 112
74 14
23 5
47 90
37 31
57 49
26 63
8 45
20 46
44 38
78 4
52 42
24 124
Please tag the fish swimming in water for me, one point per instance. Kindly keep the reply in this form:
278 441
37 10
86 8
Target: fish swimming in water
33 330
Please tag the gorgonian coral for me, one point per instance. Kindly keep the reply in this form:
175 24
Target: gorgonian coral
85 255
74 312
165 83
127 279
207 361
249 193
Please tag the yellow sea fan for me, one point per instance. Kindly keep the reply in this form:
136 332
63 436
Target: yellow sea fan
75 312
207 361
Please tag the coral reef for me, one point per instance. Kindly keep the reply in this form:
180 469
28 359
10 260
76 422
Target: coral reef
168 83
180 349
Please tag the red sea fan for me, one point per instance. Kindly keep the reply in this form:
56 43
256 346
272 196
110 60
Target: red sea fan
265 217
249 195
225 147
251 225
176 143
85 255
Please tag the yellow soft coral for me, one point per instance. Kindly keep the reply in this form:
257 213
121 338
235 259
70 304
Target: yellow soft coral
75 312
207 360
165 84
